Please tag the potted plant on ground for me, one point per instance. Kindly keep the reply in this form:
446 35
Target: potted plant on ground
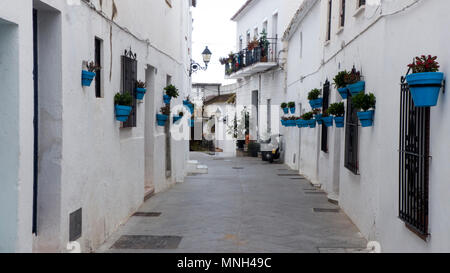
171 92
285 108
339 83
366 103
308 118
314 98
327 118
425 82
291 106
179 117
354 83
338 111
140 90
88 75
162 118
122 106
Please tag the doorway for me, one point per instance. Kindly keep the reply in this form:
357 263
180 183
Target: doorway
149 125
9 134
47 77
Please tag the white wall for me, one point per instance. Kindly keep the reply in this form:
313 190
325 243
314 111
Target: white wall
381 48
86 159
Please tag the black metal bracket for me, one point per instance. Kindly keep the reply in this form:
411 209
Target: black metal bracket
443 87
130 54
196 67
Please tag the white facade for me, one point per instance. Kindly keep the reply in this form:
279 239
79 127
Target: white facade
262 87
85 159
379 39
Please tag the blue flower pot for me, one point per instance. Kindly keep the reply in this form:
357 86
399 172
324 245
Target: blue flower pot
176 118
186 102
122 112
286 110
339 121
343 92
366 118
425 88
312 123
161 119
140 93
319 119
356 88
316 103
327 121
283 122
87 77
292 110
167 99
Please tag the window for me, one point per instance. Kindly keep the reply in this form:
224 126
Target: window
265 26
256 33
326 102
414 164
248 36
129 78
98 61
361 3
342 14
275 25
351 138
329 20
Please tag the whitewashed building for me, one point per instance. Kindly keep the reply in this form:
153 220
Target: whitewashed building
259 75
395 196
77 173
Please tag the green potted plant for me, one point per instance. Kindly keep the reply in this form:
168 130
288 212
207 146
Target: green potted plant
285 108
354 83
122 106
88 75
366 103
162 118
308 118
338 111
171 92
291 106
425 82
340 84
140 90
314 98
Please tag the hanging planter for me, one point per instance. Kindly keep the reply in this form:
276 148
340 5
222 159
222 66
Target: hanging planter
354 83
161 119
312 123
327 121
285 108
365 102
87 76
122 106
356 88
318 117
171 92
339 121
167 99
338 111
291 106
140 90
425 83
314 100
299 123
283 122
340 84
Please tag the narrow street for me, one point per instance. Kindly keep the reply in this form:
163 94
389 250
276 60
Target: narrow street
242 205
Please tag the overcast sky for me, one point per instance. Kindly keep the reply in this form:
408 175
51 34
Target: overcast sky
213 28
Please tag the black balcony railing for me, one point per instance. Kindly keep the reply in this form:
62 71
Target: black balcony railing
247 58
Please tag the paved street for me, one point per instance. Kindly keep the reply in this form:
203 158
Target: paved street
259 208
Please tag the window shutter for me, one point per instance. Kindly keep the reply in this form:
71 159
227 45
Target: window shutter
351 138
326 102
129 78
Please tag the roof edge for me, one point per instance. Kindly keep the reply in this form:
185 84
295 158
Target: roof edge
239 12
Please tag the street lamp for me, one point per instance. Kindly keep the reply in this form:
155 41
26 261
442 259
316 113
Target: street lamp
206 54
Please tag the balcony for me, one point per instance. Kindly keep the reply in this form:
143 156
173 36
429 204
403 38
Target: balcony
249 62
